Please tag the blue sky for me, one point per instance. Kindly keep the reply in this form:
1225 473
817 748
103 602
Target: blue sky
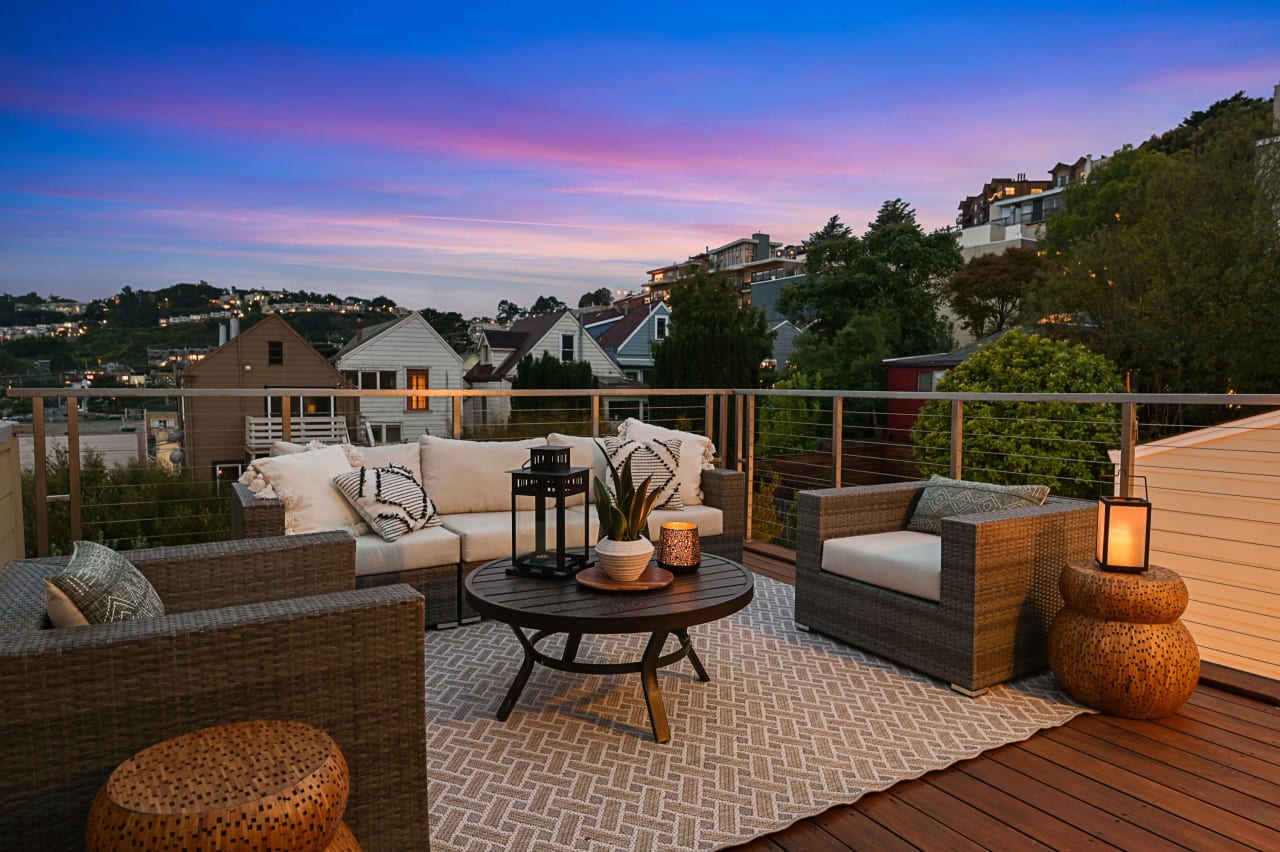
453 156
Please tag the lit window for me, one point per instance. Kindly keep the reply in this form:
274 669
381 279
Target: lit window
418 380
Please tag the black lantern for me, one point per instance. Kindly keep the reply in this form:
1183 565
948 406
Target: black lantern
1124 534
548 478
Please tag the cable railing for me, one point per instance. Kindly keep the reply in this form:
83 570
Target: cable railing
1210 463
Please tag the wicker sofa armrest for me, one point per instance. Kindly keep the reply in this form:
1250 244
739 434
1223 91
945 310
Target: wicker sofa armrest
991 556
80 701
252 517
827 513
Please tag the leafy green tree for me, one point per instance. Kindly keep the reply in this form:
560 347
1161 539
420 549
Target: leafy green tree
509 312
1062 445
547 305
601 298
1201 126
452 327
987 293
545 372
1173 260
867 298
713 341
792 424
833 230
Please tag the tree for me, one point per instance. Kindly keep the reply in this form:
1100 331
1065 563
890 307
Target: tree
546 305
791 424
712 342
987 293
867 298
509 312
601 298
1199 127
452 327
1173 260
1062 445
833 230
548 371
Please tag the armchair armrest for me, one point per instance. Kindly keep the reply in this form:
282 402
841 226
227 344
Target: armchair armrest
252 517
79 701
726 490
827 513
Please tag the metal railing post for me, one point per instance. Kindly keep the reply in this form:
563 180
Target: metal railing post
751 460
957 438
837 439
40 464
1128 446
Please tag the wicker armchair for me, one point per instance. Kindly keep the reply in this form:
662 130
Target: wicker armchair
999 583
261 629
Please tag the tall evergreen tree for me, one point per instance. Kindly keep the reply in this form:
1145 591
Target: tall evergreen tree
713 342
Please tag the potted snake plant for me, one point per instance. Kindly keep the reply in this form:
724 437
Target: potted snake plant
624 548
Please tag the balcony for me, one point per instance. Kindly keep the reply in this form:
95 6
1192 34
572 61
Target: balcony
1203 778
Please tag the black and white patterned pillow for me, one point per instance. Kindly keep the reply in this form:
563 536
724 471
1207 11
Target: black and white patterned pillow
98 586
390 498
659 458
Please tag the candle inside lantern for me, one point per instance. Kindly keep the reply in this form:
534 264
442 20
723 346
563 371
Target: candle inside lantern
679 548
1124 525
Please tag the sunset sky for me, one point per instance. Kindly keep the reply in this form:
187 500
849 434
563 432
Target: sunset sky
454 155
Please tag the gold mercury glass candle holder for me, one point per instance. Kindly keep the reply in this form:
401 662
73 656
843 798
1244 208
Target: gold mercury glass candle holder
679 548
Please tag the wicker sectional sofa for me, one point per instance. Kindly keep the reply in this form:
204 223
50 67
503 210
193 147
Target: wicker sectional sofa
250 632
469 482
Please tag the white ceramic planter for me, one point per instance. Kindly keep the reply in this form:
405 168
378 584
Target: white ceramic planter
624 560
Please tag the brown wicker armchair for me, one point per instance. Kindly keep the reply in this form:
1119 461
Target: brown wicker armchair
261 629
999 583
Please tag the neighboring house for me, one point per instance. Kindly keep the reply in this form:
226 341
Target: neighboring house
220 433
598 320
1011 213
746 261
1214 504
630 339
921 373
785 333
559 333
404 354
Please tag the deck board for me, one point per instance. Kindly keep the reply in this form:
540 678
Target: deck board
1207 777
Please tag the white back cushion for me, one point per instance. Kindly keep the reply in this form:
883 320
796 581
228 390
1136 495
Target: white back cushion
472 476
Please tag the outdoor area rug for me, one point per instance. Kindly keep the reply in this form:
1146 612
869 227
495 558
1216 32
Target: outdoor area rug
791 724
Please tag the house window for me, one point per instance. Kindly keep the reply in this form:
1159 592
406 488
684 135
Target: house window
275 351
659 328
566 347
418 380
226 472
302 405
927 380
371 379
385 433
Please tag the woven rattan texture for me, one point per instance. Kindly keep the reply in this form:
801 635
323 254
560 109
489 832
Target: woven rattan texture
79 701
999 584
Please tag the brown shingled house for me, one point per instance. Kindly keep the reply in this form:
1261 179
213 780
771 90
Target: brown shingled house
220 433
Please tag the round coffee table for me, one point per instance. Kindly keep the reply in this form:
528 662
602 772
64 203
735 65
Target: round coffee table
244 785
550 606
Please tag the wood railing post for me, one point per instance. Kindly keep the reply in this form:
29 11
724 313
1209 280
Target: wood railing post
286 419
73 466
739 454
1128 446
40 464
957 438
595 415
751 460
455 427
724 429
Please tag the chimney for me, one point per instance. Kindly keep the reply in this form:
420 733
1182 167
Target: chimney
762 246
235 327
359 329
1022 176
222 335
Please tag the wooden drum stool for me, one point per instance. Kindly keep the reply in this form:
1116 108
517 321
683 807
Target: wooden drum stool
1118 645
246 785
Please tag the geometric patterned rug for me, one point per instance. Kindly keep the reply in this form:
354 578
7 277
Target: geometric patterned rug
791 724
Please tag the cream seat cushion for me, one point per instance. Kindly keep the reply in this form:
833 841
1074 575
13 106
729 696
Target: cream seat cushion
709 519
903 560
424 548
487 535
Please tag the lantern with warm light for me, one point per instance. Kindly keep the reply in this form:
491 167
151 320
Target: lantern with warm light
679 548
1124 534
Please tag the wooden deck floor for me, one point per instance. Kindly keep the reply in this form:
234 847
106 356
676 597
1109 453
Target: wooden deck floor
1207 777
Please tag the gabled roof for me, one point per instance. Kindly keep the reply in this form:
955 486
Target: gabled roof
1267 420
270 324
947 359
617 335
523 336
501 338
381 328
602 315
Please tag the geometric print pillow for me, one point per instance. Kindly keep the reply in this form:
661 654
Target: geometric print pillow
947 498
97 586
390 498
659 458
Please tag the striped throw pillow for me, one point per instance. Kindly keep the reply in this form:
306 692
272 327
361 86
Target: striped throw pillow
389 498
659 458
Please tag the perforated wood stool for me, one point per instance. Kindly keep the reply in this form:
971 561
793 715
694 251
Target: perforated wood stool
1118 645
246 785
